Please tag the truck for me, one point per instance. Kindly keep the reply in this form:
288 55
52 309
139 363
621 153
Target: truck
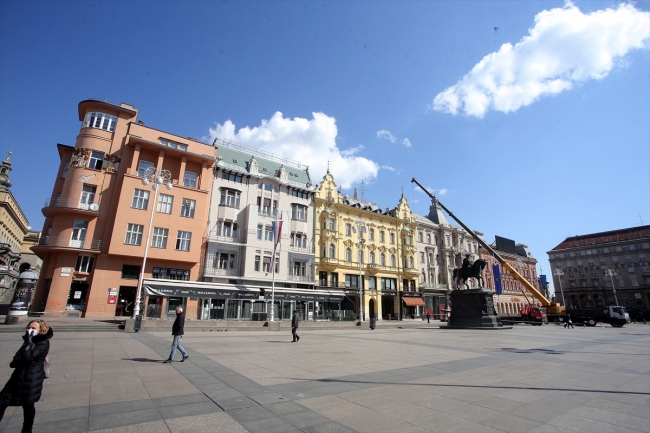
613 315
530 314
554 311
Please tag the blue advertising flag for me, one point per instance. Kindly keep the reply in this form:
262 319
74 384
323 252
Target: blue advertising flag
497 279
542 278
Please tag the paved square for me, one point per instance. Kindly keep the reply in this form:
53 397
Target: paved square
528 379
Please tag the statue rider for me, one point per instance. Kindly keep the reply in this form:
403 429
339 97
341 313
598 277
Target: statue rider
466 265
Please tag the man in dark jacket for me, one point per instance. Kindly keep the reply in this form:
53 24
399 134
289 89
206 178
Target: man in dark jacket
294 326
177 332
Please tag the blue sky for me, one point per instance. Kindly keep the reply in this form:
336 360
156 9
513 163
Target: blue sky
544 138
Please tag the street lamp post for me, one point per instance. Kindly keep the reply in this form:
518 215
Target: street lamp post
360 227
158 177
558 272
611 277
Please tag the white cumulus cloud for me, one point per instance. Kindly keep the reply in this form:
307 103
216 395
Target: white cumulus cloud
311 142
406 142
564 47
382 133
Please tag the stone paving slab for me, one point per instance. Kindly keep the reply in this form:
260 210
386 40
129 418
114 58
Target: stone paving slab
527 379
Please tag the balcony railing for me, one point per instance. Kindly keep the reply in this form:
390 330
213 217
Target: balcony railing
329 261
70 203
267 212
306 250
227 272
302 278
433 286
227 239
66 242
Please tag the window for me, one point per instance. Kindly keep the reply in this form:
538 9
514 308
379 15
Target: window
382 259
348 255
143 166
298 240
299 212
603 262
392 260
87 196
348 229
227 229
189 179
96 160
422 258
392 238
100 121
133 234
171 274
66 166
371 257
79 229
388 284
300 194
300 269
259 232
183 240
165 203
268 233
231 177
353 280
224 261
257 262
173 144
428 238
372 283
187 209
159 239
131 272
230 197
84 264
371 234
332 224
140 199
266 264
332 251
382 236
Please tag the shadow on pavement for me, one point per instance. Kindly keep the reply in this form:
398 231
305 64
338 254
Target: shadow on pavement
142 360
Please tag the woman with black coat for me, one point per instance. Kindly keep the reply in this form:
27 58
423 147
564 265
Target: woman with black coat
26 382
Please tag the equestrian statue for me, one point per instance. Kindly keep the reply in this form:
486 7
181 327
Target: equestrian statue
469 270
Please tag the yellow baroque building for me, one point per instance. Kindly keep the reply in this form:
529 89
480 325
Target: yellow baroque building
367 254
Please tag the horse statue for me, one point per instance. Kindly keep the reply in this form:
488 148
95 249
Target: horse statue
475 270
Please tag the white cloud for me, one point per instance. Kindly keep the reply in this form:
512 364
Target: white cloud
564 47
382 133
311 142
385 134
443 191
387 167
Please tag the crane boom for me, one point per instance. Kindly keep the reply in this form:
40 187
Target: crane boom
516 275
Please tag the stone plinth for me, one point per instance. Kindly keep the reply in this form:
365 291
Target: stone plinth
473 309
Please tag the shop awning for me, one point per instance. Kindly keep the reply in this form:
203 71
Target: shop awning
190 289
413 302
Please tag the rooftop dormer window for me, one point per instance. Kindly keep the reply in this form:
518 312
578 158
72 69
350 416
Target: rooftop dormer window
100 121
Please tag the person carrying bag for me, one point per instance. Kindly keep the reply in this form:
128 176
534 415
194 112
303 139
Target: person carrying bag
29 363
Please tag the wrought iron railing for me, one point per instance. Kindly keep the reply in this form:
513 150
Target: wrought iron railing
70 203
66 242
227 272
302 278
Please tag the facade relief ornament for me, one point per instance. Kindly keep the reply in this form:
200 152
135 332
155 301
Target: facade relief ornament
86 178
80 158
253 166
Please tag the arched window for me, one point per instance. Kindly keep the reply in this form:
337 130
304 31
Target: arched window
429 238
392 261
383 259
332 251
348 255
411 262
371 257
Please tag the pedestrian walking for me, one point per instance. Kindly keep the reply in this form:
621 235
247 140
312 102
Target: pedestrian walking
569 323
428 315
294 326
26 382
178 331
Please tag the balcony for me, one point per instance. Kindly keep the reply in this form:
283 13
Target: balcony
304 250
373 268
66 242
267 212
301 278
222 272
433 286
66 204
411 271
227 239
328 263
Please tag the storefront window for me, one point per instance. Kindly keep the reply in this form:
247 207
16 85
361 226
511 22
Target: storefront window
172 303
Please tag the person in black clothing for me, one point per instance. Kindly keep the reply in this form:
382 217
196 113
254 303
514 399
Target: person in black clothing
177 332
428 316
569 323
294 326
26 382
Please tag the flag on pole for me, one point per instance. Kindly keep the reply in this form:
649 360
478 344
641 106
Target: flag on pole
497 279
276 226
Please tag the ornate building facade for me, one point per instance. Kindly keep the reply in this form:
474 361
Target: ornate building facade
366 254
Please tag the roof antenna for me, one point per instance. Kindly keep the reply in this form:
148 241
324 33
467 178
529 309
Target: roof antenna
641 218
328 166
363 189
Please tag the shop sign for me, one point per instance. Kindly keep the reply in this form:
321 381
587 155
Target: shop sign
65 272
112 295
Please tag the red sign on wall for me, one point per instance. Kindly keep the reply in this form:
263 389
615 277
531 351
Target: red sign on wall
112 296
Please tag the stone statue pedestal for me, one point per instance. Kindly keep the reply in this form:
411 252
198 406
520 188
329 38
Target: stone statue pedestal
473 309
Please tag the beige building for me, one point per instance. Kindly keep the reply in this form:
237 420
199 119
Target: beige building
14 228
367 254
